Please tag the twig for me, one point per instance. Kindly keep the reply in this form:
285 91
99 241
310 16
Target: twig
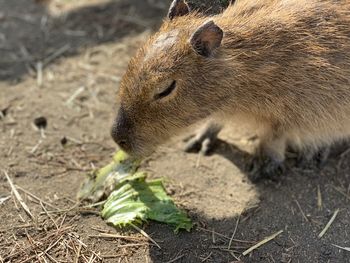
36 197
56 54
53 244
213 236
101 230
301 210
207 257
341 192
92 259
199 155
60 211
39 73
74 140
18 196
328 224
78 253
4 199
75 95
223 236
42 133
319 198
234 232
146 235
94 204
15 227
107 235
175 259
261 243
233 255
343 248
53 221
33 150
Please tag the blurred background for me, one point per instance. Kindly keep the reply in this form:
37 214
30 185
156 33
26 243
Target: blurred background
33 31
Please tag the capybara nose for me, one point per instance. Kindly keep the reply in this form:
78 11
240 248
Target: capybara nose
121 131
120 137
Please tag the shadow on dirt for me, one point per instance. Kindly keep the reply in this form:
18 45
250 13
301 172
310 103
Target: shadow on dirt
29 34
289 204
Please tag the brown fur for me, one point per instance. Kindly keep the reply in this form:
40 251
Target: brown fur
283 65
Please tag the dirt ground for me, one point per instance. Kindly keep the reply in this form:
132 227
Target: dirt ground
63 61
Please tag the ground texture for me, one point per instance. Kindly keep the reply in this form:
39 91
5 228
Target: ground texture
63 61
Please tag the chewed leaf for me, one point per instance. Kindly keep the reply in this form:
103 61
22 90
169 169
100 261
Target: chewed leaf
141 200
132 199
102 182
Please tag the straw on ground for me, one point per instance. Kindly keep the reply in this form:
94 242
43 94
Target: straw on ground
262 242
18 196
329 224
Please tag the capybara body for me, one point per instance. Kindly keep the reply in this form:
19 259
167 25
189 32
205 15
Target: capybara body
281 65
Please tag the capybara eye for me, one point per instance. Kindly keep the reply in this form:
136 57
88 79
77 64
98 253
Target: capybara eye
166 92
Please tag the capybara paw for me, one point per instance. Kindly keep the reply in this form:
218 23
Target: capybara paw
205 139
200 144
263 167
312 159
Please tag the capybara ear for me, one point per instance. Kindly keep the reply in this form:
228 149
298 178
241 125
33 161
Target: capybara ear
206 38
178 8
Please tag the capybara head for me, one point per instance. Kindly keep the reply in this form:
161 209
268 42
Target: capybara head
169 82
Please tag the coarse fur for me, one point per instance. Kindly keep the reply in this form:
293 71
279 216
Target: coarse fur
283 66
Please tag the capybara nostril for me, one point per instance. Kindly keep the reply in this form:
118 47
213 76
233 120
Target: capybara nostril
118 136
121 131
123 143
120 139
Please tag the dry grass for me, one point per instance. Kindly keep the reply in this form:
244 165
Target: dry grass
52 240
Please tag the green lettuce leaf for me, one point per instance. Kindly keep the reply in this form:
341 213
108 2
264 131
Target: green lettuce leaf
131 198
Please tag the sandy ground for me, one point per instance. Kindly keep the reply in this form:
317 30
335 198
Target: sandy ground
63 61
